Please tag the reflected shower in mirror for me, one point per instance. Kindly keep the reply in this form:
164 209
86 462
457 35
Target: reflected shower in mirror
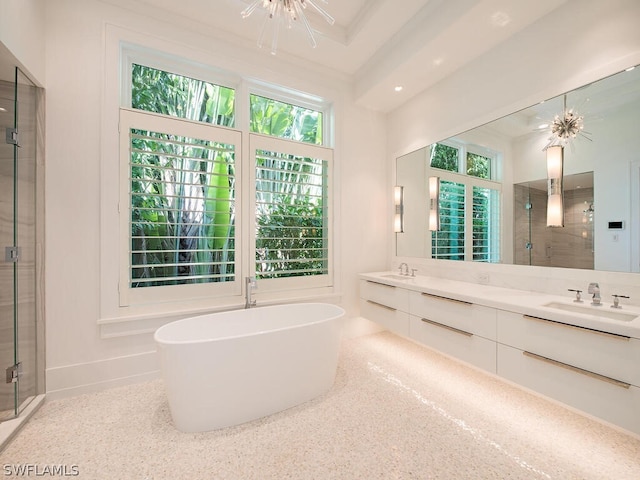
535 243
605 151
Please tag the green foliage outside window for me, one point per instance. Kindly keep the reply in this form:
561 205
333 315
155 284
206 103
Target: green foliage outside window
183 189
158 91
444 157
283 120
478 166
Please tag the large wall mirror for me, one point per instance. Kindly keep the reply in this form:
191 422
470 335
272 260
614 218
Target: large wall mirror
493 186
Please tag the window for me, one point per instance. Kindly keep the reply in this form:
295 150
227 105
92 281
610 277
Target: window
283 120
185 208
449 241
154 90
469 204
292 215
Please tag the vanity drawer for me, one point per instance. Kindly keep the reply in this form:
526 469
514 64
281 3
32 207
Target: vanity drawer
390 318
604 353
388 295
466 316
613 402
461 344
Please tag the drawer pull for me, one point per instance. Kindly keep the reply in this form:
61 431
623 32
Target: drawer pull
576 327
447 327
381 305
461 302
582 371
382 284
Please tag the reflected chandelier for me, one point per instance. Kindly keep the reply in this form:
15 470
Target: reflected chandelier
566 126
286 11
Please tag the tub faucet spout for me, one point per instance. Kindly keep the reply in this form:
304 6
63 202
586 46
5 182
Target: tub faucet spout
249 285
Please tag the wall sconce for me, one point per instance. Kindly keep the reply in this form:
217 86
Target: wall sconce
398 201
555 203
434 203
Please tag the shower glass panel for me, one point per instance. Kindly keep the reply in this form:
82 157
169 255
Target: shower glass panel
18 382
571 246
8 391
25 237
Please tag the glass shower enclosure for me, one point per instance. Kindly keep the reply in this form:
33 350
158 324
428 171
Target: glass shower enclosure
21 377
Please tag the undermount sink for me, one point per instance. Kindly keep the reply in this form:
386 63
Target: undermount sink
397 277
602 311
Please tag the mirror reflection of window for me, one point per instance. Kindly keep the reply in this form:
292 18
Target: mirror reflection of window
469 209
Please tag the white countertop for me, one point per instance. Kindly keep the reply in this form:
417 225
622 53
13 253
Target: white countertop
520 301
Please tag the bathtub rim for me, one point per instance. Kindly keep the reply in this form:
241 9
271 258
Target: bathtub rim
157 340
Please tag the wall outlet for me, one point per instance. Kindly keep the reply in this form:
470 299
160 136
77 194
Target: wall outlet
483 278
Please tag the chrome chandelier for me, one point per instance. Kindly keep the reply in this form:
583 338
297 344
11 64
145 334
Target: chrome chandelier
285 12
566 126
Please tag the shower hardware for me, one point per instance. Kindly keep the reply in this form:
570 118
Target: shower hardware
12 136
13 373
12 254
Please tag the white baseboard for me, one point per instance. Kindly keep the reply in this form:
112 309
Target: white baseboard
91 377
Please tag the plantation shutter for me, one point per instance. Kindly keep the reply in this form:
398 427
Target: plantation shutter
179 215
486 234
449 242
291 213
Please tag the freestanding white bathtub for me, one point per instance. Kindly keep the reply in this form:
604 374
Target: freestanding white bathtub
228 368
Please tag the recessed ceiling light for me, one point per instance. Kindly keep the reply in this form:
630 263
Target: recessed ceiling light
500 19
543 125
3 109
629 69
398 88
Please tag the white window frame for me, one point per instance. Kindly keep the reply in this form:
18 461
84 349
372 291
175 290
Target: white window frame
279 288
470 181
137 119
275 144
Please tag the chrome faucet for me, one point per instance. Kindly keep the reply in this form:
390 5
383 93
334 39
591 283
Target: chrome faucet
405 267
594 289
249 284
616 300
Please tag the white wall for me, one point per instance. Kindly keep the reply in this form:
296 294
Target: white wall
22 31
582 41
77 64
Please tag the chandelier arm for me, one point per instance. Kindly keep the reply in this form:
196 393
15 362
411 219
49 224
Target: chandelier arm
249 10
293 10
303 17
330 20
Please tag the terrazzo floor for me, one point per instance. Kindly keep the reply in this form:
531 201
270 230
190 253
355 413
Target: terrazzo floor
396 411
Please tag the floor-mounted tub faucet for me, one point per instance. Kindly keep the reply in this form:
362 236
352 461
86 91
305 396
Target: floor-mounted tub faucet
594 289
249 284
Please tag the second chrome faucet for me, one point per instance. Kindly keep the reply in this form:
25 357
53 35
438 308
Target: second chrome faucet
594 289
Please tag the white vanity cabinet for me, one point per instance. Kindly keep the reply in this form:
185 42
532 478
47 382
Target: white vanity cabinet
387 305
458 328
609 355
591 370
591 366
